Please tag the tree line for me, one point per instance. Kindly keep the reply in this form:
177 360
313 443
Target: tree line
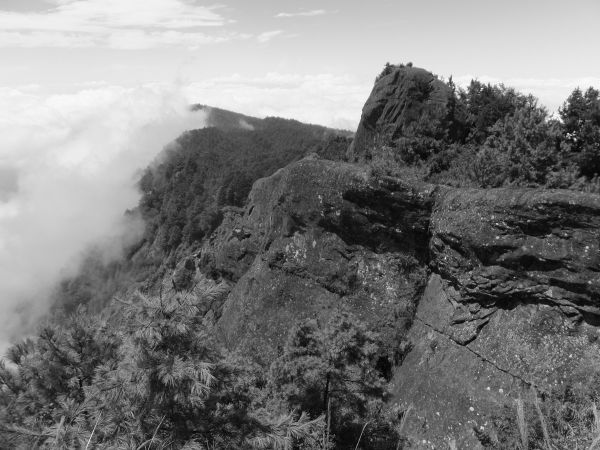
491 136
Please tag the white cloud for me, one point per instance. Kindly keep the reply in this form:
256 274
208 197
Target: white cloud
138 39
311 13
114 24
74 158
34 39
97 15
326 99
268 35
552 92
120 39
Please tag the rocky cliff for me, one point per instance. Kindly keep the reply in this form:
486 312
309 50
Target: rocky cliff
481 294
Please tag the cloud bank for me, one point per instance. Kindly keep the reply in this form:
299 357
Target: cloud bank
68 164
67 174
311 13
325 99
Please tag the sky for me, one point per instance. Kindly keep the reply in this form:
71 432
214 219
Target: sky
310 60
92 90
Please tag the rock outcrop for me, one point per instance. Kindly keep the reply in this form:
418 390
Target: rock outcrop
511 304
400 99
314 237
497 291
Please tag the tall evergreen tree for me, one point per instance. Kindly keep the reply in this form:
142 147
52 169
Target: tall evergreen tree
331 370
581 120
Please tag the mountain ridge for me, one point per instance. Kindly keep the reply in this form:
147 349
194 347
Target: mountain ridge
445 273
439 228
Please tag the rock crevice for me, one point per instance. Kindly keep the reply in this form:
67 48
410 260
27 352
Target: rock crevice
465 345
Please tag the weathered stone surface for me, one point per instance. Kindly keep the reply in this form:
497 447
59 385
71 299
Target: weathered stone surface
467 361
323 235
452 388
397 102
512 293
513 305
507 246
229 252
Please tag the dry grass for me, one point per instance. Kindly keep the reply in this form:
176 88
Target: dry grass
542 420
522 424
596 431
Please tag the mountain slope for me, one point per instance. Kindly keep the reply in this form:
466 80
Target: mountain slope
483 297
186 190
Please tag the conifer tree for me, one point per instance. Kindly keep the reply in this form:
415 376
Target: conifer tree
332 371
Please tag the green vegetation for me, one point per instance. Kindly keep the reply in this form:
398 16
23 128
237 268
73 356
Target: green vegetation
185 191
147 373
564 419
493 136
205 170
332 372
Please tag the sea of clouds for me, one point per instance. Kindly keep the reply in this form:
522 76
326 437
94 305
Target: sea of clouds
68 170
69 163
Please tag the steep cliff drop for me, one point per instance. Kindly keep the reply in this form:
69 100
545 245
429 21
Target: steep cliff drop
483 294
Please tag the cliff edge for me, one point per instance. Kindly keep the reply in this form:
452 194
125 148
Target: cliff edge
481 295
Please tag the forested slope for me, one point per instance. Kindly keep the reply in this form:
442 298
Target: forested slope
185 191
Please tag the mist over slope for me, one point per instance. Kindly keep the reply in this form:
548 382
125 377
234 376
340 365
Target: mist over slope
187 191
68 166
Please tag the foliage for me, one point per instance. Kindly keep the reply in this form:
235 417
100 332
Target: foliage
564 419
150 375
521 149
185 191
43 382
580 115
485 105
490 136
331 371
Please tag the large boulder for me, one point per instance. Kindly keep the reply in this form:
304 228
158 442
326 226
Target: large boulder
401 103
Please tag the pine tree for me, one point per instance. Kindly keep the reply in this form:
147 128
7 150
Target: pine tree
581 120
332 371
521 149
43 382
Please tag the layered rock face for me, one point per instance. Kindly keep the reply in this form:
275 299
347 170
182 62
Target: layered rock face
497 291
511 304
